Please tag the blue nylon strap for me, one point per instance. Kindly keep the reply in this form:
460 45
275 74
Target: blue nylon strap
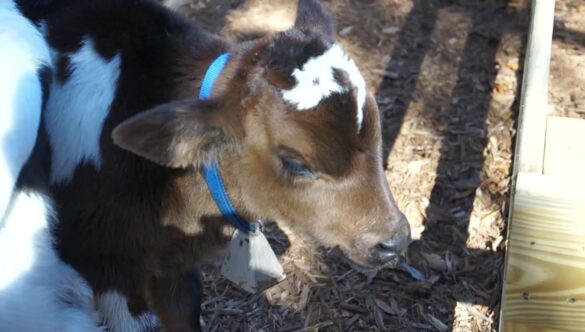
217 191
211 171
211 76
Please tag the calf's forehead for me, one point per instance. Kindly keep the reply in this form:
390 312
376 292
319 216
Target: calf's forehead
325 75
326 136
327 115
308 70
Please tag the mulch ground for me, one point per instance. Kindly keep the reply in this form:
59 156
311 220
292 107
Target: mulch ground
567 79
446 76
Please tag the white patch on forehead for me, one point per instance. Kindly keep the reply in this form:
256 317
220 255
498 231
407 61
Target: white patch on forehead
77 109
316 81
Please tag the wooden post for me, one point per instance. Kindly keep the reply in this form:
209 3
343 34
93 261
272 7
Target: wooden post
534 99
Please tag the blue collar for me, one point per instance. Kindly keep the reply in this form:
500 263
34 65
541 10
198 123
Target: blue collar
211 171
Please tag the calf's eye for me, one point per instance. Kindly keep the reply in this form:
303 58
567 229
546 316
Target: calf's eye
296 168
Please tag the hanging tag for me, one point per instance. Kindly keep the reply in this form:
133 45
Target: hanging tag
250 262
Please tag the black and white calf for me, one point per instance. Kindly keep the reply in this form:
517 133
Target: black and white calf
38 292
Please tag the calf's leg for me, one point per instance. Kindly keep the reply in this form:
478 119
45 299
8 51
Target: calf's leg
176 299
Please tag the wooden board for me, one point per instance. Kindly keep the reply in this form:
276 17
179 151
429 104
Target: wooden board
545 274
564 153
529 328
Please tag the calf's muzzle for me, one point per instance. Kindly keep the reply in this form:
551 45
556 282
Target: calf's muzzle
391 249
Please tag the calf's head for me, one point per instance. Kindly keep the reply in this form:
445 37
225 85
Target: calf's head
297 137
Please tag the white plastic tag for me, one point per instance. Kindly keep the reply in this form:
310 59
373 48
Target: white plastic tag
250 262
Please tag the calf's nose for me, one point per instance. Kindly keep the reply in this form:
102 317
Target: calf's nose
395 246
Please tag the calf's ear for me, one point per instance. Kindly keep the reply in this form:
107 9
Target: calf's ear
312 15
177 135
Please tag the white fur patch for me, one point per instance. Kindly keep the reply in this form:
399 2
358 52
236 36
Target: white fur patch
38 292
22 52
315 81
115 314
77 109
26 216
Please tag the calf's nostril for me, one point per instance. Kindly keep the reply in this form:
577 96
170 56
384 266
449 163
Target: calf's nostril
397 244
387 246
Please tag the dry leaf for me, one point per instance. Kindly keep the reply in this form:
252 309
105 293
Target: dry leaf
384 306
391 30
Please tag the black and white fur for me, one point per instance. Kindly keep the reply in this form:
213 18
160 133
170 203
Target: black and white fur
38 292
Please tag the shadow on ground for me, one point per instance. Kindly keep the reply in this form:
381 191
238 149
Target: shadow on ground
475 276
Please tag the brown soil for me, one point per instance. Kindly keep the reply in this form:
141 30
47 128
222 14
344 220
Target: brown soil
446 76
567 77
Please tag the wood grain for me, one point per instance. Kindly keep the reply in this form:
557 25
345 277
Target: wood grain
545 275
565 147
529 328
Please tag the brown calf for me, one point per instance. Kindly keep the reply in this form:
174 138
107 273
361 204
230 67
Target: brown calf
295 133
